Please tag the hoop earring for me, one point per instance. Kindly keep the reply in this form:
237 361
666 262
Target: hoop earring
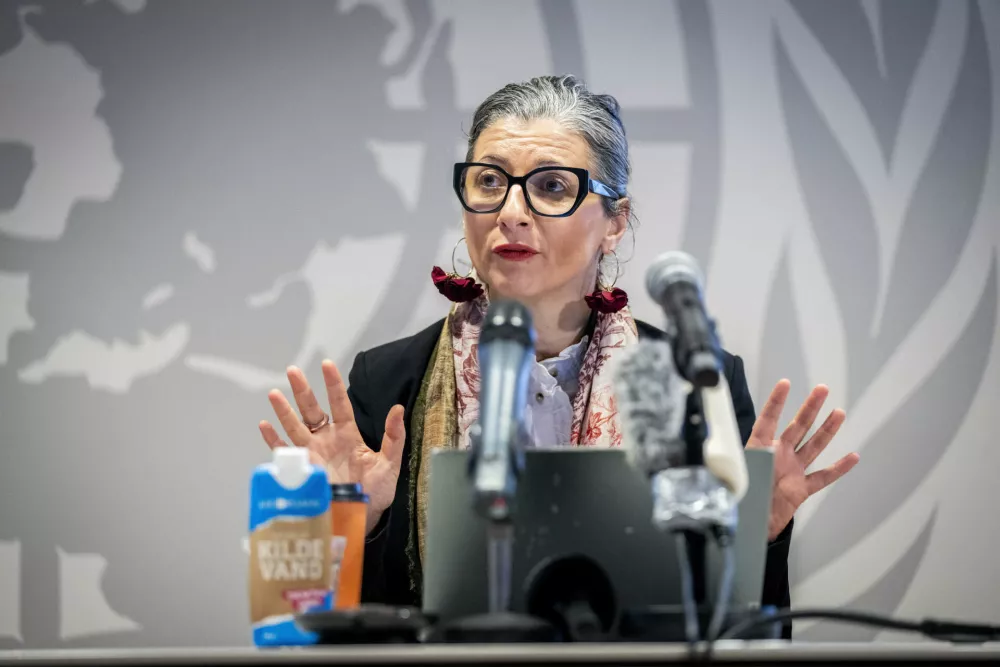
607 298
453 286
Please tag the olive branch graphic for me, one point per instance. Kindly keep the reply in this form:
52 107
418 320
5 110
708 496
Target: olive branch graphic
888 112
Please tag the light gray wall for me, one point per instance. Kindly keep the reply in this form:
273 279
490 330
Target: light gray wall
195 193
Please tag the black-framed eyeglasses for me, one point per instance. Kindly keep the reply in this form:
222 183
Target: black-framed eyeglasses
553 192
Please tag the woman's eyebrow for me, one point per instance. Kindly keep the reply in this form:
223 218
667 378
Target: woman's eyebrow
494 158
506 165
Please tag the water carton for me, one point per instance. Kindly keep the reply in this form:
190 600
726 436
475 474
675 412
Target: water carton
290 559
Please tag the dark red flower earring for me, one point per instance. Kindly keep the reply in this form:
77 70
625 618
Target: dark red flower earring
453 286
608 299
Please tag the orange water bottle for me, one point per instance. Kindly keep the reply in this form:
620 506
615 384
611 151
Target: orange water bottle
349 511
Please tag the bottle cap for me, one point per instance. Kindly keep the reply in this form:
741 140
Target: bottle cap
291 456
347 493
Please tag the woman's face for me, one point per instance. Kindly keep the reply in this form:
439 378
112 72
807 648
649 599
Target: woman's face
529 257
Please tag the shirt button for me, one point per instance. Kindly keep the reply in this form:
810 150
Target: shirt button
540 397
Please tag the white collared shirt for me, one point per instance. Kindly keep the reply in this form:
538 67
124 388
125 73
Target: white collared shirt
552 385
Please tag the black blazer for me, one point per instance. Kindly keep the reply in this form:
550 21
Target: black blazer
391 374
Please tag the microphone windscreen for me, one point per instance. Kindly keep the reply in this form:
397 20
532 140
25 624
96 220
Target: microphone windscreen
650 395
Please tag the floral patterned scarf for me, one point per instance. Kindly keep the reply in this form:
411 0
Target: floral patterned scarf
595 415
448 401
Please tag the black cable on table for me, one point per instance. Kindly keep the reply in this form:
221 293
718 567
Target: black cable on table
941 630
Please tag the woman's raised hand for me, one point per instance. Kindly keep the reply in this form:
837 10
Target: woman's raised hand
793 484
336 443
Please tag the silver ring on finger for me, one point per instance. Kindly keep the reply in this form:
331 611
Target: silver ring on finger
318 425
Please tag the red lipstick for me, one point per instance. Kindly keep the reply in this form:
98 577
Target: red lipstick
515 252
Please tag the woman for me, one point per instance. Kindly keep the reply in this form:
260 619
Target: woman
546 206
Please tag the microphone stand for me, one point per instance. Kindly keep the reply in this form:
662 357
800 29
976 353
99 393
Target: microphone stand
506 350
692 504
690 500
499 624
500 537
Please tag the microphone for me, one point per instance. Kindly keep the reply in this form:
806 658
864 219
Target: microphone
674 282
652 399
506 351
698 472
695 479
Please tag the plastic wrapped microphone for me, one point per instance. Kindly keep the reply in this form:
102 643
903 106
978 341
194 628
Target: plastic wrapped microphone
652 404
680 430
674 281
665 423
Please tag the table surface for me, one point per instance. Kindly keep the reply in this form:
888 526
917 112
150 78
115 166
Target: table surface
511 654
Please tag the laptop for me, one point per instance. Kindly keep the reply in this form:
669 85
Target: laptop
586 502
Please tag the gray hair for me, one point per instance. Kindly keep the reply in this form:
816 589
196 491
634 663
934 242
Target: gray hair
566 99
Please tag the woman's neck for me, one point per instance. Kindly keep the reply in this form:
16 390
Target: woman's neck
558 325
560 319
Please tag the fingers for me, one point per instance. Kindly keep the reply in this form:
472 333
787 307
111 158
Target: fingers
767 422
336 392
309 408
805 417
395 436
288 418
808 452
821 479
270 435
